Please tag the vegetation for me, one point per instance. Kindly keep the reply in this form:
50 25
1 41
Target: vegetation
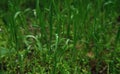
59 37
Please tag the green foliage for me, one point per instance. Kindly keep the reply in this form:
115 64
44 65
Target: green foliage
59 37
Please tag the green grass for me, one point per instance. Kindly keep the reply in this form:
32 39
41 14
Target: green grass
60 37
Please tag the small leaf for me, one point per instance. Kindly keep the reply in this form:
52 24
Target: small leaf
3 51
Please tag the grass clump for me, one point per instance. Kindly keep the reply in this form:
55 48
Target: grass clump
60 37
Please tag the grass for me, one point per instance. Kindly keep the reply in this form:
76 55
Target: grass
60 37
